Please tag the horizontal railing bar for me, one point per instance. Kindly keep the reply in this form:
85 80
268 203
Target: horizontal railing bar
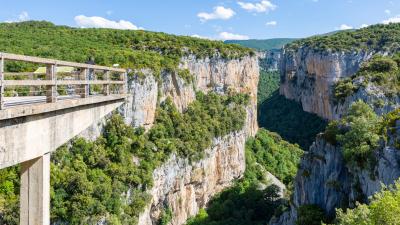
58 82
28 82
72 82
8 56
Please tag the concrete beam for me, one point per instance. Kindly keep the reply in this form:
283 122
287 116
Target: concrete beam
35 191
34 109
29 137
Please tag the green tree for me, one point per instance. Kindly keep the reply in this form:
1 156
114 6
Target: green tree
384 208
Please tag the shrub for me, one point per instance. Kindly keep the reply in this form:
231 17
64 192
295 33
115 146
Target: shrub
382 71
357 133
384 208
343 89
373 38
310 215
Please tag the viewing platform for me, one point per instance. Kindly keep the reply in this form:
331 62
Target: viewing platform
44 108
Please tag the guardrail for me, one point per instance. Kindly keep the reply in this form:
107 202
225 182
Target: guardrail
83 81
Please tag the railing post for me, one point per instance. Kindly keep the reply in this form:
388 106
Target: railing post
106 87
1 82
84 91
124 77
51 90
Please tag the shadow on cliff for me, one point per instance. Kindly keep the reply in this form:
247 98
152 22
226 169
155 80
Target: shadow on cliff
287 118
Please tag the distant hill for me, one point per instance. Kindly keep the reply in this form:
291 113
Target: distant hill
267 44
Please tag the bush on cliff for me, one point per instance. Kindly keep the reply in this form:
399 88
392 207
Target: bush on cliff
384 208
381 71
107 179
357 133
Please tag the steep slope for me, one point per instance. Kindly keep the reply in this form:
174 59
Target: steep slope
311 67
352 77
194 144
347 164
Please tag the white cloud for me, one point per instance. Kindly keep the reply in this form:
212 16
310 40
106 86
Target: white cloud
395 19
100 22
263 6
109 12
344 27
387 11
200 36
23 16
364 25
271 23
219 12
230 36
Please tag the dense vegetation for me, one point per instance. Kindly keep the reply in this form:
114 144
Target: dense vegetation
263 45
246 203
287 118
9 195
91 180
268 83
380 71
270 152
310 215
384 208
373 38
129 49
358 133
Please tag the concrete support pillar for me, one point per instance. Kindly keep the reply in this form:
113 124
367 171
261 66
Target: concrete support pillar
124 87
51 93
35 191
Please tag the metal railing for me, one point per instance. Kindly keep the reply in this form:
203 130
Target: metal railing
85 80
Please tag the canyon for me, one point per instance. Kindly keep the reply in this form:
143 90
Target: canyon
180 185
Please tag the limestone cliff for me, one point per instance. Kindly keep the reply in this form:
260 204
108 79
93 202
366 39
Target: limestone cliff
324 179
270 60
180 185
308 76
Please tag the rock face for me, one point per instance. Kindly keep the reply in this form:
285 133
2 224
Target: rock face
270 60
308 76
213 74
374 96
180 185
324 179
186 187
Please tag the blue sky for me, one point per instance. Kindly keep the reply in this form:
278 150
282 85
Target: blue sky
225 19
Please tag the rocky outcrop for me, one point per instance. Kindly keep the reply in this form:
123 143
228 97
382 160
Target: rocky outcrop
270 60
373 95
308 76
180 185
210 74
324 179
186 187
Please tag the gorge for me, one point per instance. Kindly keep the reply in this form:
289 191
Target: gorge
214 133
